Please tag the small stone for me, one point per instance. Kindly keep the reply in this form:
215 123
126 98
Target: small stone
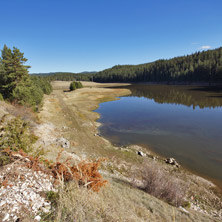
2 203
38 218
184 210
172 161
140 153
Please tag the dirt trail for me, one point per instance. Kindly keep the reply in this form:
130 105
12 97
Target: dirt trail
72 117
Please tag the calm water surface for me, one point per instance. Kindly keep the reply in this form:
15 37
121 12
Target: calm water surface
184 122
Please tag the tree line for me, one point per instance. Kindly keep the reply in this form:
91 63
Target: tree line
16 85
203 66
66 76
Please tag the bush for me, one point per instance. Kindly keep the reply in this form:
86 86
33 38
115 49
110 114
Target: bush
72 86
15 134
162 185
75 85
79 85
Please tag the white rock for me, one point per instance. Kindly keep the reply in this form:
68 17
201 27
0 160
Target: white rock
38 218
2 203
6 217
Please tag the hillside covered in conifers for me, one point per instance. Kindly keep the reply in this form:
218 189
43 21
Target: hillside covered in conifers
203 66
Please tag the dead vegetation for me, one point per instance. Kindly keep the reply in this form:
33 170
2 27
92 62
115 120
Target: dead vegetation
85 173
160 184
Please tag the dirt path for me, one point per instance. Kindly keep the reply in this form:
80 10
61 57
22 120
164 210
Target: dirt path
71 115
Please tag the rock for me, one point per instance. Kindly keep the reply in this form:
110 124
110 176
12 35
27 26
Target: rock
64 143
23 192
140 153
172 161
6 217
184 210
38 218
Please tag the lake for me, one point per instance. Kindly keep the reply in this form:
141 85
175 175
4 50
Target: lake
184 122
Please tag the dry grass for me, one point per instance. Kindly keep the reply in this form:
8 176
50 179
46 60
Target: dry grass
111 204
117 202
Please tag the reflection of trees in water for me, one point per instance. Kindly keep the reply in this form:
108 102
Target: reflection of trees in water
189 96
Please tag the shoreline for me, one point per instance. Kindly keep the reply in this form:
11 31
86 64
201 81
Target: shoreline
113 87
71 115
208 179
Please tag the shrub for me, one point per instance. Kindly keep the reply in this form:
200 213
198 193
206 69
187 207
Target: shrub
28 94
72 86
162 185
15 134
79 85
75 85
4 159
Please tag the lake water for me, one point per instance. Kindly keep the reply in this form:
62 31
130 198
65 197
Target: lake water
184 122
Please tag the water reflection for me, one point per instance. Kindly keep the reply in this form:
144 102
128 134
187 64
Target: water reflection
192 96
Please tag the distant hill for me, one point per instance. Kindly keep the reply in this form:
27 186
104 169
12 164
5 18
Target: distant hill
203 66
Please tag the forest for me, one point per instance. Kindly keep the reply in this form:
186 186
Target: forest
203 66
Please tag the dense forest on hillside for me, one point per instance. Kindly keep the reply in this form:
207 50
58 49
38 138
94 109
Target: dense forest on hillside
203 66
16 85
66 76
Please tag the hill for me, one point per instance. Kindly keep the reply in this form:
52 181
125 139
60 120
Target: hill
203 66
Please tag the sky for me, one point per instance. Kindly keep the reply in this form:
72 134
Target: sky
92 35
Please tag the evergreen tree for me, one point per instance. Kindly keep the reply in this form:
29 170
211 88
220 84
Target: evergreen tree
15 82
14 71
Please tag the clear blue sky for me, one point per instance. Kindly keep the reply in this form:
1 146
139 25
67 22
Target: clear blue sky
91 35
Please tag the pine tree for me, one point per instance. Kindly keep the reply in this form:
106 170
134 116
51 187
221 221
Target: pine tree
14 70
